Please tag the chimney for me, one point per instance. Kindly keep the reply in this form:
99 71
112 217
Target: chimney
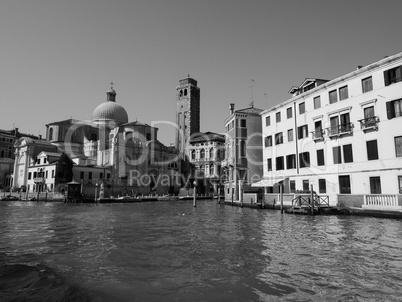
358 67
231 107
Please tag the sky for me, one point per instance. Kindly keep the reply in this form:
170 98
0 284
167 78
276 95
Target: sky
59 57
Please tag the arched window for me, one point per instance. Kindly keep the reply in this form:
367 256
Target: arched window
202 153
218 154
51 134
192 154
211 170
211 153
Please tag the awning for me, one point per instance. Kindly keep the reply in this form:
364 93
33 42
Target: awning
267 182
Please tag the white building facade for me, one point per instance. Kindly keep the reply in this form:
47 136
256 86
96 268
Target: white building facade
343 137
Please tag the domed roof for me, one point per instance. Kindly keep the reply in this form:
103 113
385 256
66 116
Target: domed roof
110 111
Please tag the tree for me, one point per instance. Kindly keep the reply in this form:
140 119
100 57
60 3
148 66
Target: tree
64 170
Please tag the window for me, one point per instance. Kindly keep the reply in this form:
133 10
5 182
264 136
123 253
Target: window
322 186
46 174
306 185
400 184
393 75
372 150
333 97
334 122
369 118
367 84
278 117
292 185
243 123
192 154
344 184
202 153
343 93
337 155
375 185
291 161
290 135
320 157
29 175
318 130
304 159
398 146
100 175
289 112
211 153
2 153
38 161
269 164
52 173
279 138
302 131
347 154
302 108
394 109
81 175
211 169
279 163
89 175
317 102
346 126
268 121
51 134
242 148
268 141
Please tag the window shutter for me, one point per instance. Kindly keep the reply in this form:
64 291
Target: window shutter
390 110
386 77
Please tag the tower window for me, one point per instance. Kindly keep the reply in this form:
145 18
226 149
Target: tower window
185 92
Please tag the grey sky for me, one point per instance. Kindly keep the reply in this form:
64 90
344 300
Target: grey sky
58 57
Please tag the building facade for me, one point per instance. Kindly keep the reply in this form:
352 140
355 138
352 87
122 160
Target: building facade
243 151
7 156
206 152
343 137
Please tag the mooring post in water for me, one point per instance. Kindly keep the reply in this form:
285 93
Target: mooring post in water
219 195
241 193
96 191
195 193
232 196
281 197
312 200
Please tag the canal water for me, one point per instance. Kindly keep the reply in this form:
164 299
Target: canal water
171 251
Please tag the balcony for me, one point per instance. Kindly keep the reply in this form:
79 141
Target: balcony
339 130
370 123
318 134
227 162
39 179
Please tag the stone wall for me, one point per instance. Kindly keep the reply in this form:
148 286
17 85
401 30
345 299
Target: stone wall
350 200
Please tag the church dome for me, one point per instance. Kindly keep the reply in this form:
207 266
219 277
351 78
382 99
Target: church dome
110 110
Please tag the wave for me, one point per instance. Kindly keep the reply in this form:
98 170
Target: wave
20 282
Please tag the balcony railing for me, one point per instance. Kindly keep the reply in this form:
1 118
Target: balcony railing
38 179
369 123
318 134
346 128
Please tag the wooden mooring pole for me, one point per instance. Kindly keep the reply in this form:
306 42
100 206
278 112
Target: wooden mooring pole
195 194
312 199
281 197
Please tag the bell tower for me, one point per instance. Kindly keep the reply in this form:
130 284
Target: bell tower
187 112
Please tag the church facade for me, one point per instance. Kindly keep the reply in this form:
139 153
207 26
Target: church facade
124 154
